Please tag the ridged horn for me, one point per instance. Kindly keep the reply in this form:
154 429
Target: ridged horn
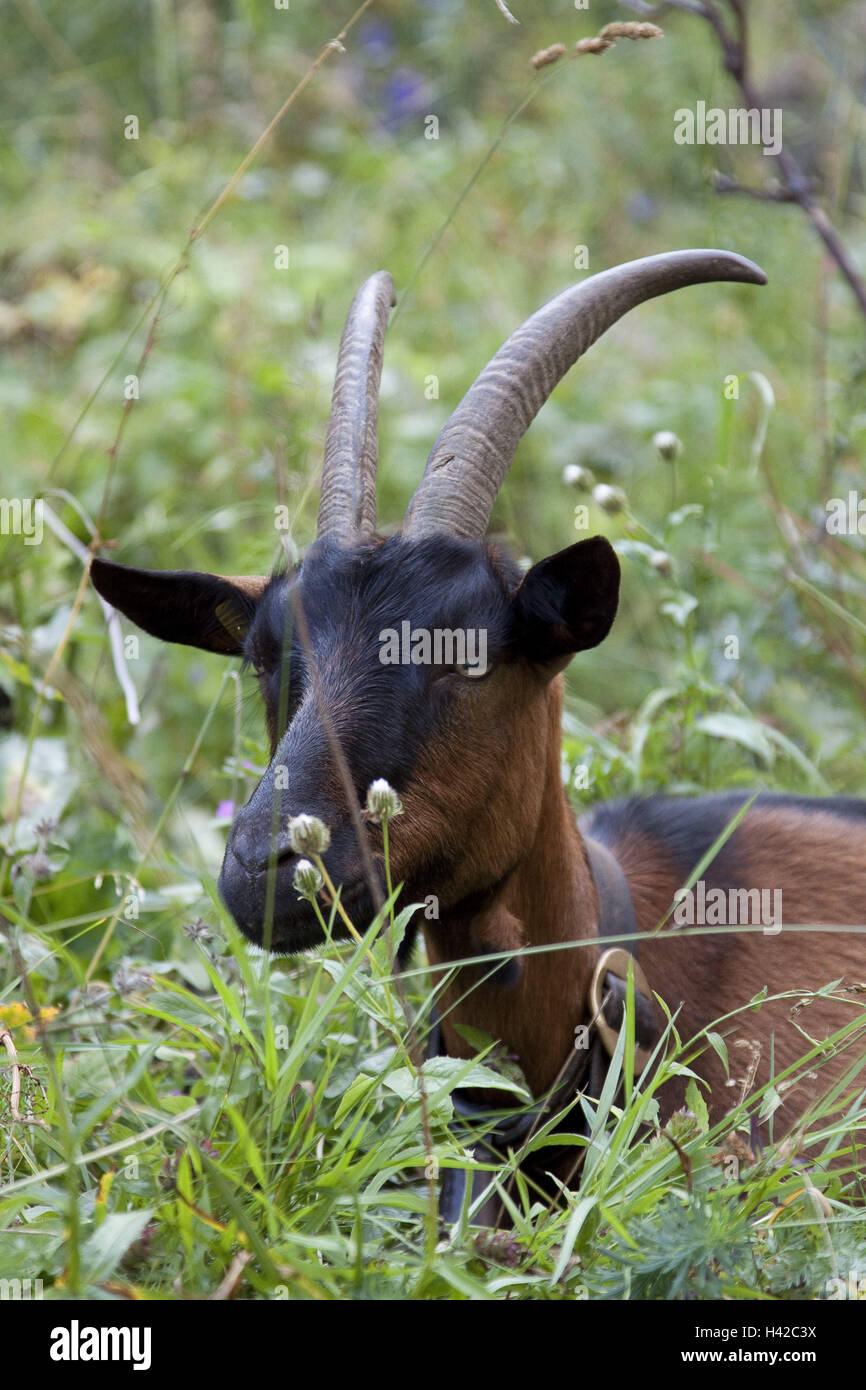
347 503
469 460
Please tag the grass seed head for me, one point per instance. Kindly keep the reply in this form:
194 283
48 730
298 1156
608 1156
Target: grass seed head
545 56
630 29
596 45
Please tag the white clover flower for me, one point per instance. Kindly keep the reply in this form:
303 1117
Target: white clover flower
573 475
308 835
383 803
610 499
667 445
661 561
307 880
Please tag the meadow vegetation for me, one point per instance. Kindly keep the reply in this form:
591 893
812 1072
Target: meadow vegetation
205 1122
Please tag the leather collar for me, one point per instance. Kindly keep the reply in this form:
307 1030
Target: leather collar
583 1073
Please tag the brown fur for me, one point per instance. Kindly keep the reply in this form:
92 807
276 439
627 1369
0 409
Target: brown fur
819 863
502 823
504 819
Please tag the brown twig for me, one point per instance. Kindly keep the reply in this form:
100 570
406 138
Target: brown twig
733 42
15 1099
723 183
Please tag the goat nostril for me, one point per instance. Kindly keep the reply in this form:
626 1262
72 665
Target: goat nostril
255 857
241 854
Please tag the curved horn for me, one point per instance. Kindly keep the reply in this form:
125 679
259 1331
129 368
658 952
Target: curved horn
347 504
469 460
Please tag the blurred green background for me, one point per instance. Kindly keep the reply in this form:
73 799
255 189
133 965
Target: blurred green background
235 390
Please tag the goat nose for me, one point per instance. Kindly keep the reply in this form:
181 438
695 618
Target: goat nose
255 851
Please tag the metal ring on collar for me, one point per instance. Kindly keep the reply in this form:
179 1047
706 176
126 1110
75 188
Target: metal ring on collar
616 961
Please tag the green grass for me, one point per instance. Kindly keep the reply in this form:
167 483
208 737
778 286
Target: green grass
214 1116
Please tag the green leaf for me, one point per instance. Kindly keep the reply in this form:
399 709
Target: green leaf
797 756
248 1145
749 733
106 1247
449 1073
770 1103
456 1072
575 1221
768 402
698 1106
391 939
355 1092
676 518
679 608
719 1046
475 1037
22 888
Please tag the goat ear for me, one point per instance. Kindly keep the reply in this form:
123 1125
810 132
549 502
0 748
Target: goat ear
211 611
568 602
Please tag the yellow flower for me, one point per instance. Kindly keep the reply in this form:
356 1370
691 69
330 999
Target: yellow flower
13 1015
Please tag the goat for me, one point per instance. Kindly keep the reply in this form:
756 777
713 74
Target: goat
487 829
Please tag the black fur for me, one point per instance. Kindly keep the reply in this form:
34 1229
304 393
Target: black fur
383 715
197 610
348 596
687 826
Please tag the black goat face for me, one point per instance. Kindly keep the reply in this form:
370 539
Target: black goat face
422 662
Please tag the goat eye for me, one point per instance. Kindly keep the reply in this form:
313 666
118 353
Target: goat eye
474 673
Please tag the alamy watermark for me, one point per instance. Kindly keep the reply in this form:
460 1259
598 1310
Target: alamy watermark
18 1290
22 516
846 516
77 1343
737 126
853 1287
464 647
701 906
